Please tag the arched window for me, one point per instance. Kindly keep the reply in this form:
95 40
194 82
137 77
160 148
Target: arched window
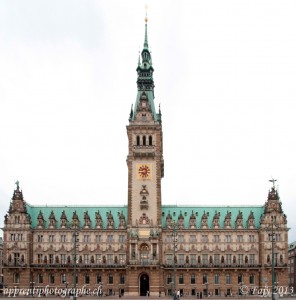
144 140
138 140
150 140
51 278
40 278
16 278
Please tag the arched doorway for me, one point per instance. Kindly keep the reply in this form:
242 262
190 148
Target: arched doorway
144 284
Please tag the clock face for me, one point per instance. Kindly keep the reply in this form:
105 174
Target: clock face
144 171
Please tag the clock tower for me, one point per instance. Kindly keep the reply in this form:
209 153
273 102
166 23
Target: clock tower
145 170
145 149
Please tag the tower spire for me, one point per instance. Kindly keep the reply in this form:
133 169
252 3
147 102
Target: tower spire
146 35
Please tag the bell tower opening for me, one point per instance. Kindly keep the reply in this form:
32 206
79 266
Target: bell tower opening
144 285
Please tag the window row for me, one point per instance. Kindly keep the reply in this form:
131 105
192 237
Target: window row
17 237
144 140
217 278
63 238
81 259
215 259
215 239
67 279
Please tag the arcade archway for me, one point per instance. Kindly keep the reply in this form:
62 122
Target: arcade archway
144 284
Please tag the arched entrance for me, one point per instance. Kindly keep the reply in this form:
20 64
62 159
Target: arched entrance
144 284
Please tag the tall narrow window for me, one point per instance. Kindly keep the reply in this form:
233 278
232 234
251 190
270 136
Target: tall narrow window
144 140
16 278
150 140
138 140
86 279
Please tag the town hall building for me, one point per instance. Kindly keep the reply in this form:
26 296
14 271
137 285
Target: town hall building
144 246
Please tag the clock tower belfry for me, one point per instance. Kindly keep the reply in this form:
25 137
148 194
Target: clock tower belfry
145 149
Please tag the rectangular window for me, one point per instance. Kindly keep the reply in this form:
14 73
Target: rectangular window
252 259
192 279
40 278
240 238
181 238
169 279
63 258
109 259
86 238
169 238
63 238
63 278
181 260
181 279
51 279
51 258
216 259
193 259
240 259
204 238
122 259
192 238
39 258
169 259
51 238
228 259
98 238
99 279
228 280
216 278
216 238
205 260
98 259
110 279
121 238
228 238
86 279
251 238
121 279
86 259
40 238
109 238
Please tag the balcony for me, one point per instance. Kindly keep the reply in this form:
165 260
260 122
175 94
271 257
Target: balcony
144 262
144 151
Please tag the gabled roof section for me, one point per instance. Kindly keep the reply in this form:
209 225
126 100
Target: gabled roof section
117 212
211 212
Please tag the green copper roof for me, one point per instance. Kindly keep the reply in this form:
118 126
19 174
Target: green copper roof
198 211
173 210
80 210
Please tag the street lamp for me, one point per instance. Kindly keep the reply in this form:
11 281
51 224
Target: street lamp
175 225
241 288
75 259
32 288
272 261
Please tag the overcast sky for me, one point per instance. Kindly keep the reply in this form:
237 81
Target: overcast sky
225 74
